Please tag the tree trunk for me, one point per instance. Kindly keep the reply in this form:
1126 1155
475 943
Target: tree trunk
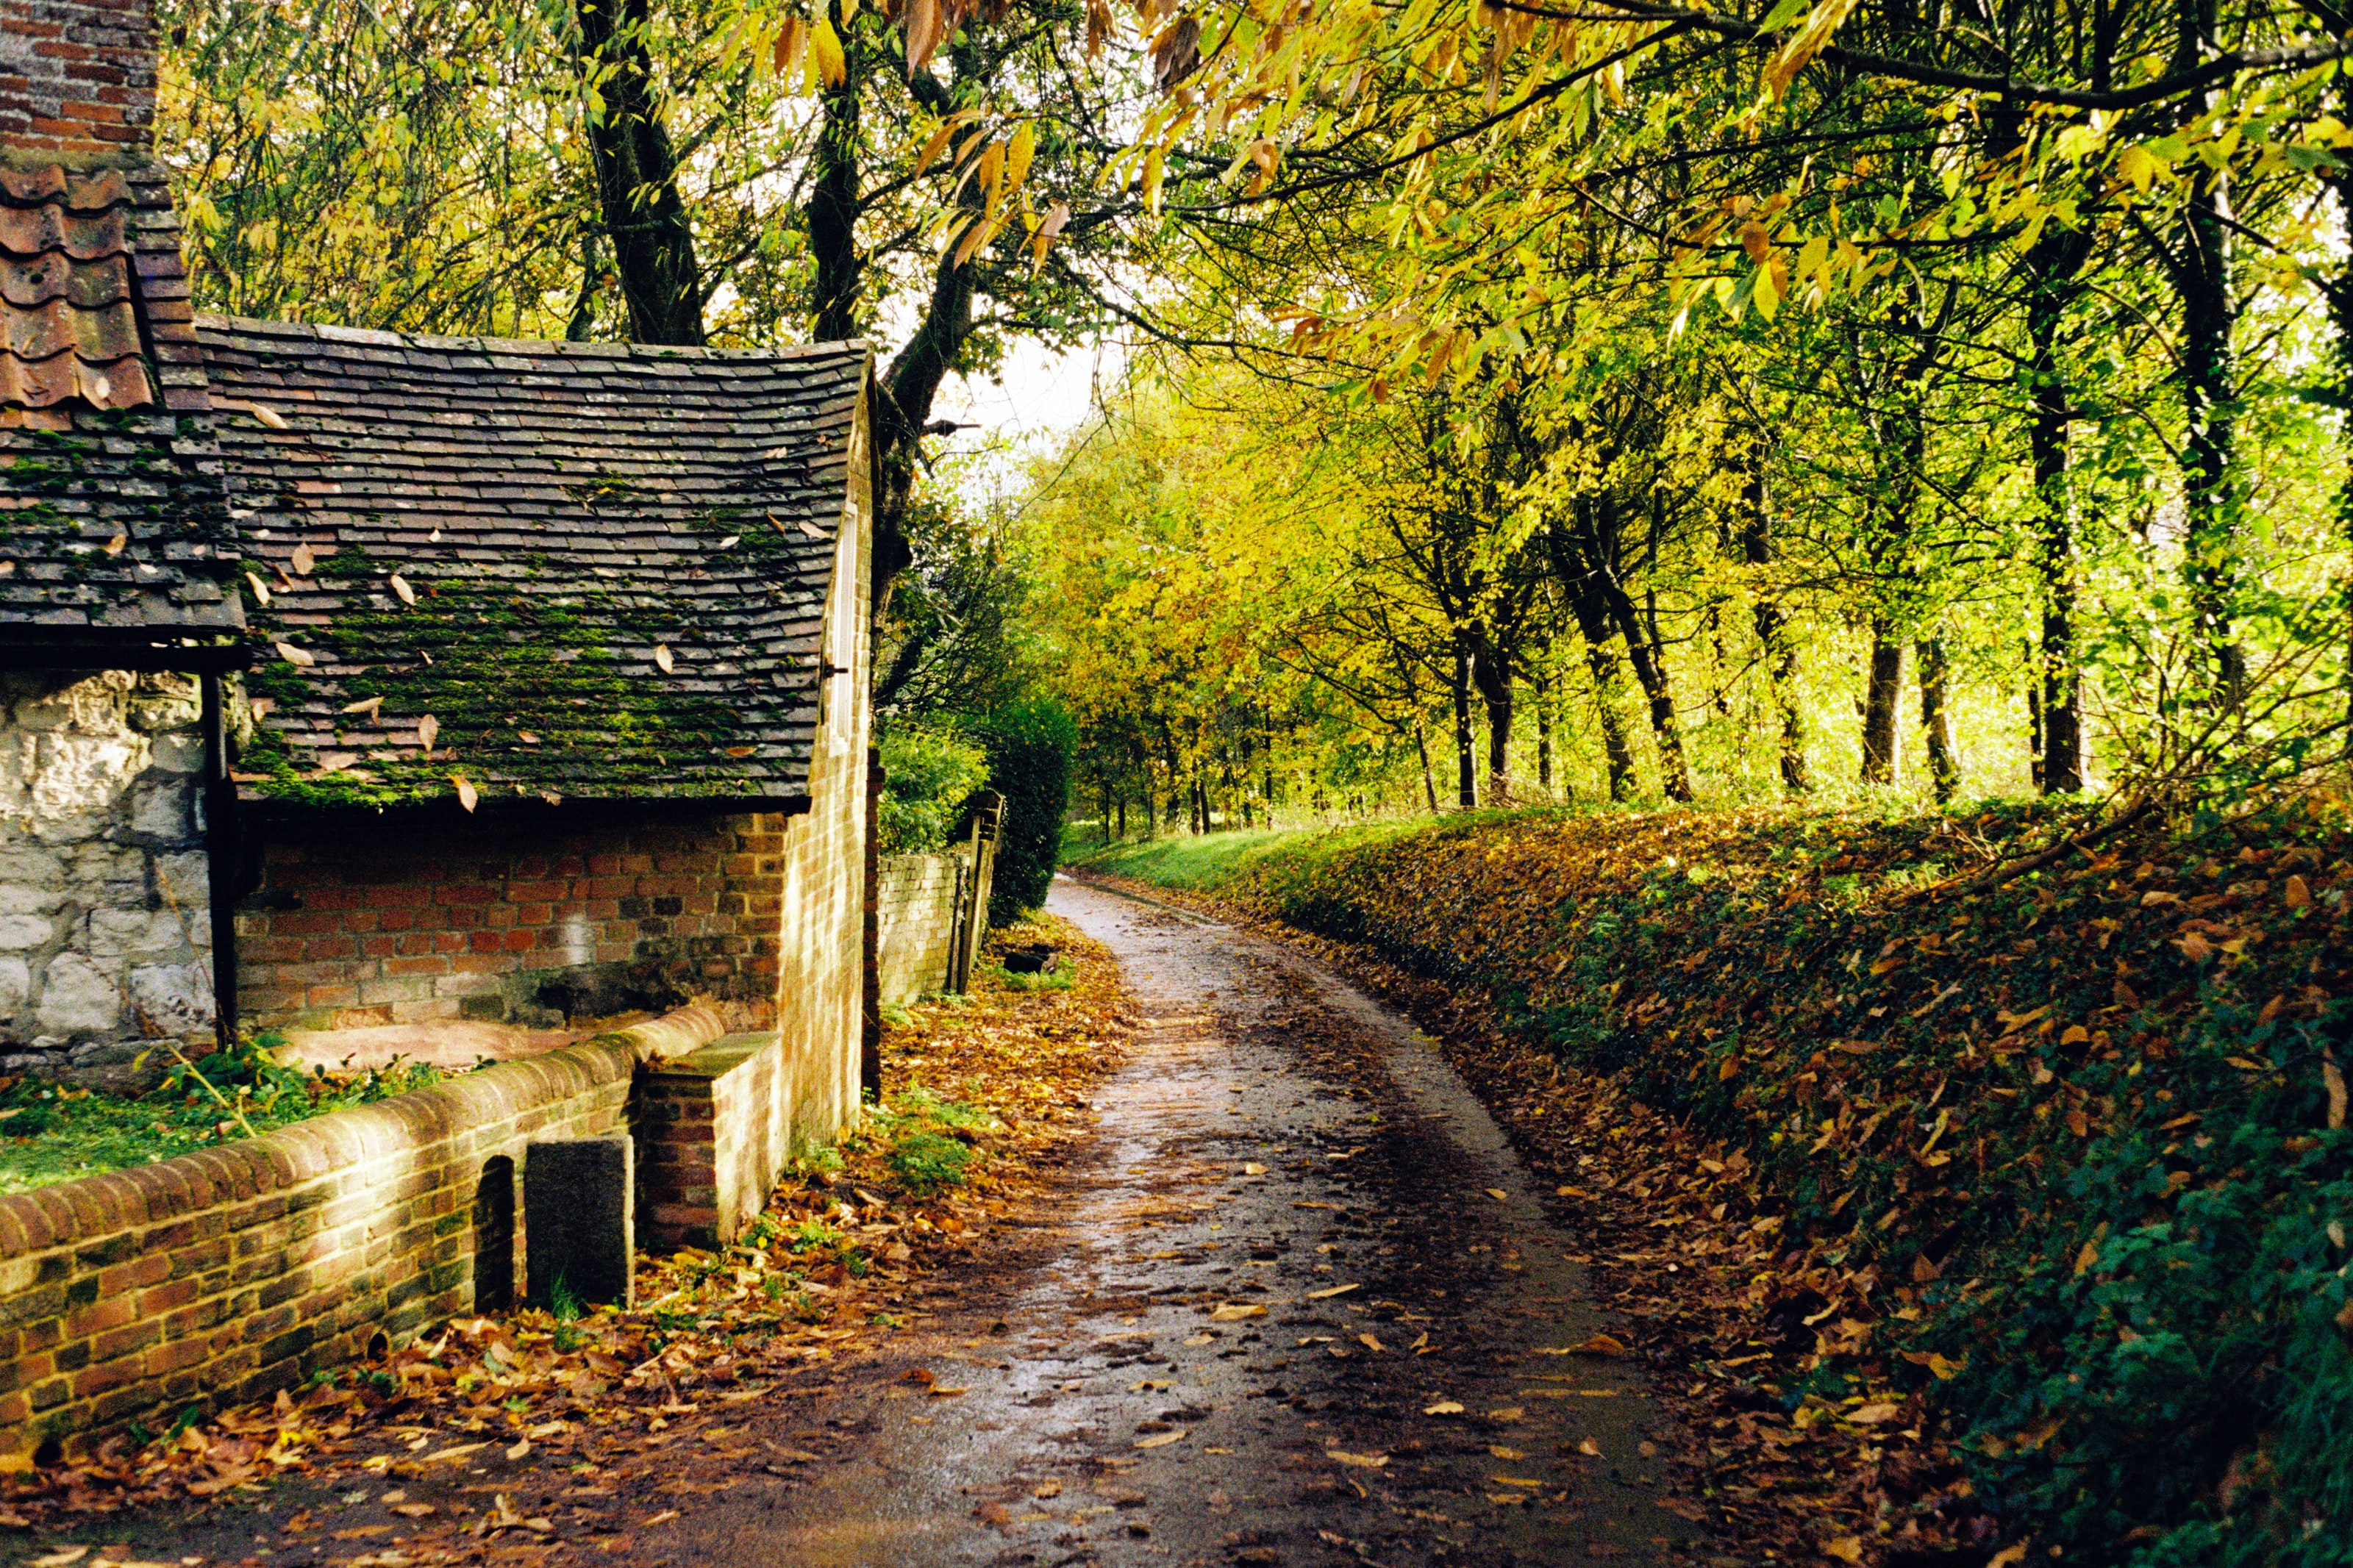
636 179
2034 733
831 215
1421 750
1544 733
1651 672
2211 497
1882 740
2052 267
1466 762
1601 664
1781 667
1936 718
1492 671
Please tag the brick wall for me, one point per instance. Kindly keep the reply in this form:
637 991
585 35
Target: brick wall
520 919
821 914
712 1137
915 909
77 79
228 1274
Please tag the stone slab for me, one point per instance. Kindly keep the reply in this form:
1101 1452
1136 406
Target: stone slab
579 1202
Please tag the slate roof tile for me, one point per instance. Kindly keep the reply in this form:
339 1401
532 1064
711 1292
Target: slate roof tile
560 511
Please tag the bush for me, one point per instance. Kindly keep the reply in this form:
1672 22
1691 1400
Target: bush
1030 745
930 775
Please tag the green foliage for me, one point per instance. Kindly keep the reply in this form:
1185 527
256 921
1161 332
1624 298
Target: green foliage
1029 747
930 775
918 1132
1059 975
57 1133
2074 1137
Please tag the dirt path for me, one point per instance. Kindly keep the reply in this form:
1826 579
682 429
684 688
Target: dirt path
1284 1147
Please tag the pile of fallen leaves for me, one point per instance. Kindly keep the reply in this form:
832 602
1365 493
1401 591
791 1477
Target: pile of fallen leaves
982 1092
1972 1224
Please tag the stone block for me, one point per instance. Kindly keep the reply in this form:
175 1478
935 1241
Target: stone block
78 997
579 1217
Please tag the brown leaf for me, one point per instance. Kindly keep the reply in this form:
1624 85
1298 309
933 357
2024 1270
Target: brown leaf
296 656
662 658
400 586
428 730
467 795
116 545
367 705
305 562
2332 1078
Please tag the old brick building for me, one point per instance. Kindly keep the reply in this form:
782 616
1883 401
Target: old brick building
359 678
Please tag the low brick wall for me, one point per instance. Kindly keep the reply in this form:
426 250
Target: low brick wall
227 1274
915 910
712 1137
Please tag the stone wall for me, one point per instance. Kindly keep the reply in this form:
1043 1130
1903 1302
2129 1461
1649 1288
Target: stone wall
582 908
225 1275
105 933
915 919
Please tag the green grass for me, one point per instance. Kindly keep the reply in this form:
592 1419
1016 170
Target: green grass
1209 861
53 1133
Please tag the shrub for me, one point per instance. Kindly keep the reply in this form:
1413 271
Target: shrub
1030 745
930 775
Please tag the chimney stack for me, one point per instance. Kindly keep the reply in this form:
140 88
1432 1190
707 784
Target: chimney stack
77 82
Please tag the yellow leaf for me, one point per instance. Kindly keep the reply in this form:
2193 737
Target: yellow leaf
260 589
120 542
2138 165
1359 1461
2332 1079
1846 1549
2088 1257
466 798
1017 153
935 146
400 586
1235 1311
2296 894
367 705
662 659
1330 1291
1162 1439
1443 1407
305 562
1589 1448
296 656
427 729
825 51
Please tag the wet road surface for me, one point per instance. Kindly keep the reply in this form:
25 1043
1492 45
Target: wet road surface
1297 1308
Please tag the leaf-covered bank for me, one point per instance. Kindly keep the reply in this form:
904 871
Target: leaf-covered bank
2065 1162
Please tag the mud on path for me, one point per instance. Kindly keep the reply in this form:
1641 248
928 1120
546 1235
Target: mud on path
1296 1310
1297 1303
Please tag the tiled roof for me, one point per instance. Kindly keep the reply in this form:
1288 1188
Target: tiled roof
112 525
601 570
65 291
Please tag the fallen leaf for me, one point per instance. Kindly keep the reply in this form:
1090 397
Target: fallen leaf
260 589
1235 1311
1508 1414
662 658
365 705
1875 1414
1369 1343
944 1391
62 1558
400 586
427 730
305 562
1360 1461
664 1517
1589 1448
1595 1344
1331 1290
116 545
467 795
414 1510
1253 1170
296 656
1162 1439
1500 1452
1443 1407
520 1449
2332 1079
1498 1193
336 762
1846 1549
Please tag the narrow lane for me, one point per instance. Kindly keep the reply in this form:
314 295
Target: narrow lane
1301 1304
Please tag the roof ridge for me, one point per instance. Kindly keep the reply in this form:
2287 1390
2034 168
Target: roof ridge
330 332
